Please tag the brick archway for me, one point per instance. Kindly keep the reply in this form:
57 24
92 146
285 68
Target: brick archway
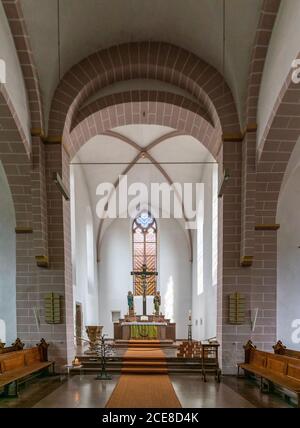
38 215
16 161
145 107
279 139
149 60
183 116
15 17
74 120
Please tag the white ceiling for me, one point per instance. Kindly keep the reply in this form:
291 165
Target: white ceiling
102 148
90 25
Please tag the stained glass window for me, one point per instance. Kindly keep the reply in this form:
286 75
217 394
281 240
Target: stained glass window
144 250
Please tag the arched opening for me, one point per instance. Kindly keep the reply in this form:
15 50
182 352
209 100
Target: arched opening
184 257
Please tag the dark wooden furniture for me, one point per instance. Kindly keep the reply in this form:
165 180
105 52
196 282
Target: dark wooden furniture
210 360
16 346
17 367
189 349
205 353
275 369
280 349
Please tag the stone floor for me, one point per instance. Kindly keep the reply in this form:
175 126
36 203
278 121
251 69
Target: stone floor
85 391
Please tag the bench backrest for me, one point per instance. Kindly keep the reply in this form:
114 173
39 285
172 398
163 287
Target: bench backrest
276 364
19 359
31 355
257 358
291 353
293 369
12 361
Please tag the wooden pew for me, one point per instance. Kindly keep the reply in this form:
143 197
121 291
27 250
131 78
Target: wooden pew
280 349
16 346
276 369
17 367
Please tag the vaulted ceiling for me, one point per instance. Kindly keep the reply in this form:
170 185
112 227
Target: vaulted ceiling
178 159
91 25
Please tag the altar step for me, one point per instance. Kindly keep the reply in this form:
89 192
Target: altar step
140 365
145 343
145 370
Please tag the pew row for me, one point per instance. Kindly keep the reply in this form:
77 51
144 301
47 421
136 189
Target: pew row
276 369
19 366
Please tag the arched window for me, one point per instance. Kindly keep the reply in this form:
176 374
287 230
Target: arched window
144 251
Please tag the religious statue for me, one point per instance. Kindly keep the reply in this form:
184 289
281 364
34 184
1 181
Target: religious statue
130 303
156 301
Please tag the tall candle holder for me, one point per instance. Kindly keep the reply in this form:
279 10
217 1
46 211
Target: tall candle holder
190 327
103 351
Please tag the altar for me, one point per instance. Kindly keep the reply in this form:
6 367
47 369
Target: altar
153 329
144 327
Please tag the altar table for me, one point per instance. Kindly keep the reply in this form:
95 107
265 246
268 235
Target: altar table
139 330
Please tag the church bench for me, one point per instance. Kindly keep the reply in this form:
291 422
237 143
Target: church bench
280 349
279 370
17 367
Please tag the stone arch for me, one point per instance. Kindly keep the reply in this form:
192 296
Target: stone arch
129 108
182 116
152 60
17 167
279 139
19 32
15 159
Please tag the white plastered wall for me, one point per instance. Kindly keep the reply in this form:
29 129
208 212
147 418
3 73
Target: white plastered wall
288 288
174 266
85 293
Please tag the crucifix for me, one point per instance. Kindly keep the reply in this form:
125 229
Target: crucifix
144 273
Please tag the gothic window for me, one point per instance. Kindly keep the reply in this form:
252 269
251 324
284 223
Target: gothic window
144 251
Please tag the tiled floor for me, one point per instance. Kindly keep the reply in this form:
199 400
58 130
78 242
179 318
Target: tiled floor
80 391
85 391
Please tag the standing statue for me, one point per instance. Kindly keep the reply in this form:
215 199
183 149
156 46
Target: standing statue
157 302
130 303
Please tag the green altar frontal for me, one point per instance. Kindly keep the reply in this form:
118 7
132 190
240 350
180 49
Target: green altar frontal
143 331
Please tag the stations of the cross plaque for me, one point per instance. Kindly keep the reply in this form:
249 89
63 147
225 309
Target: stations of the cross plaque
143 274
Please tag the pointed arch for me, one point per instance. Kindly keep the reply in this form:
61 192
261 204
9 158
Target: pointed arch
144 251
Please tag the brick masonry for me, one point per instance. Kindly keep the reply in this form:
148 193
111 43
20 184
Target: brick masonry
148 60
19 32
39 214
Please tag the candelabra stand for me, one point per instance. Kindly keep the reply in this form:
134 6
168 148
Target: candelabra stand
190 333
103 351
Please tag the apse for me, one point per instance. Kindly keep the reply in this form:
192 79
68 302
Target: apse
185 259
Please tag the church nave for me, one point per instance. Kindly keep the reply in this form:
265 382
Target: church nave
149 200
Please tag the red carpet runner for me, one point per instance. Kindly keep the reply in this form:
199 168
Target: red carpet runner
144 382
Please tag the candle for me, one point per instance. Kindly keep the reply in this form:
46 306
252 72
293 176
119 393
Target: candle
76 362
